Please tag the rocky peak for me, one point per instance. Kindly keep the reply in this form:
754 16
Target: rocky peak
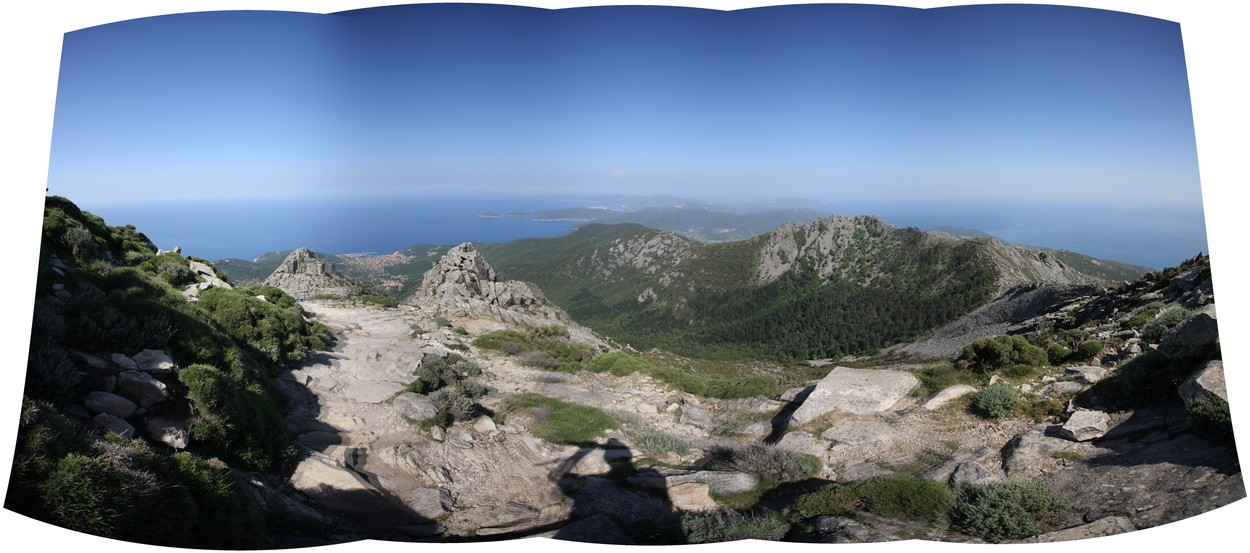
464 284
459 273
303 262
303 275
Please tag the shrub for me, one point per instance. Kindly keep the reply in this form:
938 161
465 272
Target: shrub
1089 349
1211 419
991 354
561 421
1155 330
1057 353
777 465
657 441
452 406
995 401
1006 510
895 496
441 321
728 525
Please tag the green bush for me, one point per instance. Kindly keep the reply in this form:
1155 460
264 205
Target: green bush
452 406
1006 510
239 419
722 526
619 363
1156 329
560 421
995 401
1057 353
895 496
1211 419
1088 350
992 354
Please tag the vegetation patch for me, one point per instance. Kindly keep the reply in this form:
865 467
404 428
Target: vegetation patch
1212 420
700 384
994 401
562 422
727 525
895 496
1001 352
541 347
1007 510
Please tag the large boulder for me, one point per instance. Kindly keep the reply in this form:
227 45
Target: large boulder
113 404
171 433
1193 337
110 424
154 361
857 391
1205 383
1085 425
336 487
947 395
141 387
430 503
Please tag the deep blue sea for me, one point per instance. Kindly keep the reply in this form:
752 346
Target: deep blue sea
1153 237
247 228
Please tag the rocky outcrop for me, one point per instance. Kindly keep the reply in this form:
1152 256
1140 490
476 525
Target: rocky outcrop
1085 425
303 275
856 391
462 283
1205 383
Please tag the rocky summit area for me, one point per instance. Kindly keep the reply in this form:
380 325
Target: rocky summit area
303 275
165 405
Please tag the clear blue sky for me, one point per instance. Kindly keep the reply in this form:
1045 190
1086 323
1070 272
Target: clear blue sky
1028 103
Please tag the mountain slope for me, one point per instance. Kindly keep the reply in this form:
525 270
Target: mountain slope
836 286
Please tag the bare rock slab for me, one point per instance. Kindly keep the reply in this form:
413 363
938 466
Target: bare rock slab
1088 374
113 404
944 397
1205 383
1105 526
141 387
152 361
1085 425
337 488
857 391
371 391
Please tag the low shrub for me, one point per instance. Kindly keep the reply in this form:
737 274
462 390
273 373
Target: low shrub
452 406
776 465
656 441
1156 329
1057 353
722 526
895 496
1211 419
995 401
1006 510
1088 350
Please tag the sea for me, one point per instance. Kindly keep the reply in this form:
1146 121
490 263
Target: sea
1154 237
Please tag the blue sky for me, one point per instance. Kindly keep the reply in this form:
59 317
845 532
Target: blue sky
1012 103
